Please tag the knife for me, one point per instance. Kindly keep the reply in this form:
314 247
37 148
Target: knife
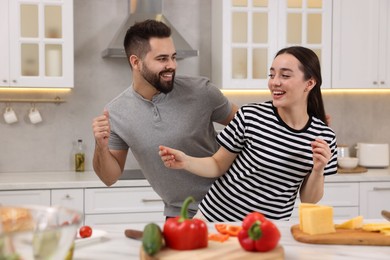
386 214
134 234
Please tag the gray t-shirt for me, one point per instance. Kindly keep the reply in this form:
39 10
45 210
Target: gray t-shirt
182 119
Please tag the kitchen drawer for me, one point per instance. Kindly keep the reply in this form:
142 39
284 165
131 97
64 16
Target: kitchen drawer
70 198
25 197
340 194
122 200
123 218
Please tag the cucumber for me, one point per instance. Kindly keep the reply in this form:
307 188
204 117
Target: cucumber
152 239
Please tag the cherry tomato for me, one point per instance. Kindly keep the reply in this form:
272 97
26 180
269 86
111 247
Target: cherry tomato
85 231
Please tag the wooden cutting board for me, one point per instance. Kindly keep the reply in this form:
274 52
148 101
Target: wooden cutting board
228 250
358 169
342 237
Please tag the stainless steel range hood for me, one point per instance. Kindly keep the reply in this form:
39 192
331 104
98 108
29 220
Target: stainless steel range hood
139 11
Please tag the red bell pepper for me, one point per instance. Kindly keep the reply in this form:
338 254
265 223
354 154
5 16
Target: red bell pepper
182 233
258 233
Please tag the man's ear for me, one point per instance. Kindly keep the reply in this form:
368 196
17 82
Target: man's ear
134 61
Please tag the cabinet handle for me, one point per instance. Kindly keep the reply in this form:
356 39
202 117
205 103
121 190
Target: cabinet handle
381 188
375 82
67 196
5 81
382 82
151 200
14 81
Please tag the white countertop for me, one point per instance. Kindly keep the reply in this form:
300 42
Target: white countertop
118 247
59 180
88 179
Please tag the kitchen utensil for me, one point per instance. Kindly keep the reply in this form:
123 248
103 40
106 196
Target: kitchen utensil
34 115
37 232
386 214
97 236
347 162
342 237
228 250
10 115
134 234
342 151
358 169
373 155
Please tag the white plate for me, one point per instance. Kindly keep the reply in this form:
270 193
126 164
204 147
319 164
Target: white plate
97 236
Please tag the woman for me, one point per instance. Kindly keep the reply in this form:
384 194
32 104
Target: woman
269 151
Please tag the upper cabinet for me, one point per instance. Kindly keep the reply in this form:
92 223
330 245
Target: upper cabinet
36 47
246 35
361 38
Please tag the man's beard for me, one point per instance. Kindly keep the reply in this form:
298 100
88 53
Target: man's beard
156 81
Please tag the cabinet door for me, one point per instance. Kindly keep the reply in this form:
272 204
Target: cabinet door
25 197
246 35
360 44
4 45
374 197
41 43
70 198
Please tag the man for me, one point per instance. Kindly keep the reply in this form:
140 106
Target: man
159 107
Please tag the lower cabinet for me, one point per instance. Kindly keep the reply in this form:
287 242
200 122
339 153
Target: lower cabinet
374 197
343 197
25 197
122 205
70 198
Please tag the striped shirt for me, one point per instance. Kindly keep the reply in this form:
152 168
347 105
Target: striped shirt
272 162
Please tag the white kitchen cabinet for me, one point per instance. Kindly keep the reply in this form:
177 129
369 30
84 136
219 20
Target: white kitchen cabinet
343 197
36 47
361 50
246 35
70 198
25 197
374 197
122 205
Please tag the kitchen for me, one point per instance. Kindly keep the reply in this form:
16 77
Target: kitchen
48 147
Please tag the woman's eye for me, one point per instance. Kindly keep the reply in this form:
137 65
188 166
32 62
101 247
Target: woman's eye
285 76
271 76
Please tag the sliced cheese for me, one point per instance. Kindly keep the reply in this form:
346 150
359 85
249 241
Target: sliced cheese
376 226
353 223
316 219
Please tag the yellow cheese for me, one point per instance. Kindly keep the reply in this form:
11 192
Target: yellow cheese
376 226
301 207
353 223
316 219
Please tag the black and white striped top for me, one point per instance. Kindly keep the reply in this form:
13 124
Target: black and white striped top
273 160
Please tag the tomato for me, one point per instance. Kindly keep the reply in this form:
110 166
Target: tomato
85 231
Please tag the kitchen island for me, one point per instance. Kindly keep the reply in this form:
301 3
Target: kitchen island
116 246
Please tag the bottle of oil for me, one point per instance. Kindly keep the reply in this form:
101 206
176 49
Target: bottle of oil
79 157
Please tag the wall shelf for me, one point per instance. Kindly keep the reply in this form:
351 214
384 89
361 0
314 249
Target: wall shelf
56 100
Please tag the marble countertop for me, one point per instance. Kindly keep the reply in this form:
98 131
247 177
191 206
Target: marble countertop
88 179
117 246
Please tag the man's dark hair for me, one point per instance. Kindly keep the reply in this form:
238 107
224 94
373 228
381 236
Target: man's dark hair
137 37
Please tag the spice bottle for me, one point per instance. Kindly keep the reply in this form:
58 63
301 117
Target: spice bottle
79 157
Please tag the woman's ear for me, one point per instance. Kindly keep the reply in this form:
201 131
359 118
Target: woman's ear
310 84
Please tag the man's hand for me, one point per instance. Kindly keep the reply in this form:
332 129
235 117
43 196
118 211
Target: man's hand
101 129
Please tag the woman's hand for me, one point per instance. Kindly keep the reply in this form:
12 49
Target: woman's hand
172 158
321 155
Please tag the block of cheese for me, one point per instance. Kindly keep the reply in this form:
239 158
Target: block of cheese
316 219
353 223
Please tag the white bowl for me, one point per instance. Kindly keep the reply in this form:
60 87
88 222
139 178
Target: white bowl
348 162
